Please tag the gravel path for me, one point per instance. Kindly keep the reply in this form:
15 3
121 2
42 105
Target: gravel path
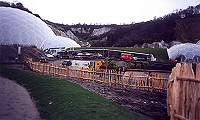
15 102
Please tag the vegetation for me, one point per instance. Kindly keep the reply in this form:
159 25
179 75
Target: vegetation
112 64
60 99
181 25
17 5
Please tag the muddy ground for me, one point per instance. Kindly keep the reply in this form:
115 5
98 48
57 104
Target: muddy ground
149 103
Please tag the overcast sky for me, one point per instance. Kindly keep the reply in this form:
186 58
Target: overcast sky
104 11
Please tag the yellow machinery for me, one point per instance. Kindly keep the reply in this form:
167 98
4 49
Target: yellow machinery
95 65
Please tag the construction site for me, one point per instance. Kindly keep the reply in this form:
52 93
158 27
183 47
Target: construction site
64 80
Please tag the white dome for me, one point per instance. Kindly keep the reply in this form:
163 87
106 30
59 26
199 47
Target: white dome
23 28
198 43
187 52
59 42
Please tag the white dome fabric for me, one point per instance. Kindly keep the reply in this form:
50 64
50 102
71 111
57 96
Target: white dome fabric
59 42
198 43
21 27
187 52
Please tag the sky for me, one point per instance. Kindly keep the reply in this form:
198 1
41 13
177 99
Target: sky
104 11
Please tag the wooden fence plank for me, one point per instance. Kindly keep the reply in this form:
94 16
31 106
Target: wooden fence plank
176 89
183 93
197 109
198 71
183 88
191 98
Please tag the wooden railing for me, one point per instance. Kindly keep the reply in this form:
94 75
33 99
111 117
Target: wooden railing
153 82
184 93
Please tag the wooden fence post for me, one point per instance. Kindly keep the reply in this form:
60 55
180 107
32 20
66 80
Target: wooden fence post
176 90
197 109
171 109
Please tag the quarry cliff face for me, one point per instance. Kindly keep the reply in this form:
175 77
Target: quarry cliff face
78 34
100 31
168 31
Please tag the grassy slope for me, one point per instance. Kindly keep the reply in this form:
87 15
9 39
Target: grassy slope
69 101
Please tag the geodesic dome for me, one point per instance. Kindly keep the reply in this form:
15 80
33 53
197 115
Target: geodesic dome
59 42
198 43
23 28
187 52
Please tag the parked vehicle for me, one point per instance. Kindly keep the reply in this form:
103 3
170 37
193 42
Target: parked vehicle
128 57
84 55
60 54
97 56
43 60
67 63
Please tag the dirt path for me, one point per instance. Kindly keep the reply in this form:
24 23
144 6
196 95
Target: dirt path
15 102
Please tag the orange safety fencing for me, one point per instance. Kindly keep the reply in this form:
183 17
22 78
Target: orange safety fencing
129 79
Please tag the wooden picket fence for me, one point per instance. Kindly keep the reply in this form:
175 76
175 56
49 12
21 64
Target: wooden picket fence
147 82
183 98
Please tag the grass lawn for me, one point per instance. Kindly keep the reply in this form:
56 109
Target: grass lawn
60 99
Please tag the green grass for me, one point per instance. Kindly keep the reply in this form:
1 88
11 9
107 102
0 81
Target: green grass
159 53
69 101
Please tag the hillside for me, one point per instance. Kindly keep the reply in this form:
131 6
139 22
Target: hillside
80 33
181 26
10 53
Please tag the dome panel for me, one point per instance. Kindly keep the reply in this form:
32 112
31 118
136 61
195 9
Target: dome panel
23 22
16 39
4 20
6 42
14 23
1 39
58 42
31 33
5 26
189 54
23 28
185 52
23 35
6 34
15 31
14 18
198 43
196 52
33 41
39 40
3 14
